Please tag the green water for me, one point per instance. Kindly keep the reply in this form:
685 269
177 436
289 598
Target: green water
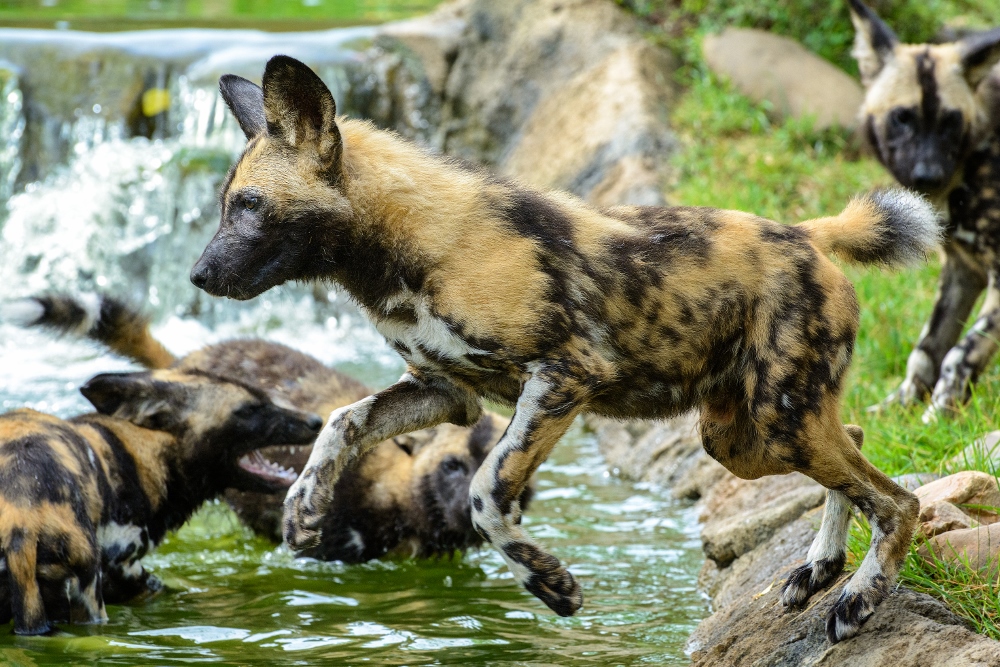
232 598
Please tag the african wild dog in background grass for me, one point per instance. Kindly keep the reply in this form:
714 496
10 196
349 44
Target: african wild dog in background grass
409 495
489 289
931 112
82 500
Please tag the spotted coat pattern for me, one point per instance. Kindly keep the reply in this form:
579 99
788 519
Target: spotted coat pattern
491 290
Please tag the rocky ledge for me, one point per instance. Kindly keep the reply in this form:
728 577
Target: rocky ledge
755 532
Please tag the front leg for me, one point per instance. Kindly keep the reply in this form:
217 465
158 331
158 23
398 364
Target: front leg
966 361
545 409
960 285
413 403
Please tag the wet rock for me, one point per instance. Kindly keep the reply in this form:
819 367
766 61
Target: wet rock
979 547
941 516
565 94
433 38
977 490
668 452
797 82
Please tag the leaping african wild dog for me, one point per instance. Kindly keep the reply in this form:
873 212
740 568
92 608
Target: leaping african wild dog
931 112
82 500
409 495
489 289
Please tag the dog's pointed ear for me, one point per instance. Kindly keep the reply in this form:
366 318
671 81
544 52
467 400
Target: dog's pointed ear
874 41
300 109
979 54
108 392
246 100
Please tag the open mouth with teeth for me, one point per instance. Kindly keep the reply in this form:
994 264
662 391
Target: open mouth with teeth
271 473
272 469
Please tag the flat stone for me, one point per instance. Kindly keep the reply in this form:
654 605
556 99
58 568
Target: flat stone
969 487
797 82
979 547
725 541
941 516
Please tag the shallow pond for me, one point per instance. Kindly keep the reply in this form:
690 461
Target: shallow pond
233 598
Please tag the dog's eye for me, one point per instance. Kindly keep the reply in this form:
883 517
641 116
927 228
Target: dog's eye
452 465
245 412
903 119
250 203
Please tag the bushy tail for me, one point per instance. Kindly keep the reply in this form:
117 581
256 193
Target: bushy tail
114 324
888 227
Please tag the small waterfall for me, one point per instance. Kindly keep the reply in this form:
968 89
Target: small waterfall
112 183
11 131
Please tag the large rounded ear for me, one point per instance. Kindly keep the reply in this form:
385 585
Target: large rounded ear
300 109
108 392
874 41
246 100
979 54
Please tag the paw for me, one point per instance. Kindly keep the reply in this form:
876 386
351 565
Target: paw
809 578
302 518
558 589
944 402
847 616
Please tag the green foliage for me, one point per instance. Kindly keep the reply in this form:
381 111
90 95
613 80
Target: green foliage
824 26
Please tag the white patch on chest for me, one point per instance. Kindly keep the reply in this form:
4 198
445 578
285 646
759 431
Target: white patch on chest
429 333
116 538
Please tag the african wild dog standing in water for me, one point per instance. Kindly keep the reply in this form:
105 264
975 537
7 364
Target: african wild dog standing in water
492 290
82 500
409 495
931 113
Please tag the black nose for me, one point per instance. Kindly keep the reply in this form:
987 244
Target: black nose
927 176
314 422
199 276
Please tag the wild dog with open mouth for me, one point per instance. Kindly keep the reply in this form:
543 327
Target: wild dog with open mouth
489 289
82 500
410 495
930 112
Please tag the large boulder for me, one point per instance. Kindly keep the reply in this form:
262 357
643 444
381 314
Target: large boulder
779 70
562 94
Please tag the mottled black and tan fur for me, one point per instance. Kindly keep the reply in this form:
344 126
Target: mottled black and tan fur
82 500
409 495
489 289
931 112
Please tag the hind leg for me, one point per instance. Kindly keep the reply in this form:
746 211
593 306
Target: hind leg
828 552
835 461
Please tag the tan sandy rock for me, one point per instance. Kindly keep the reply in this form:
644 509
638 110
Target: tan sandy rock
796 81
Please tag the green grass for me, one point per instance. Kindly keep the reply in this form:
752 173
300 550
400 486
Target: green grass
735 154
823 26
